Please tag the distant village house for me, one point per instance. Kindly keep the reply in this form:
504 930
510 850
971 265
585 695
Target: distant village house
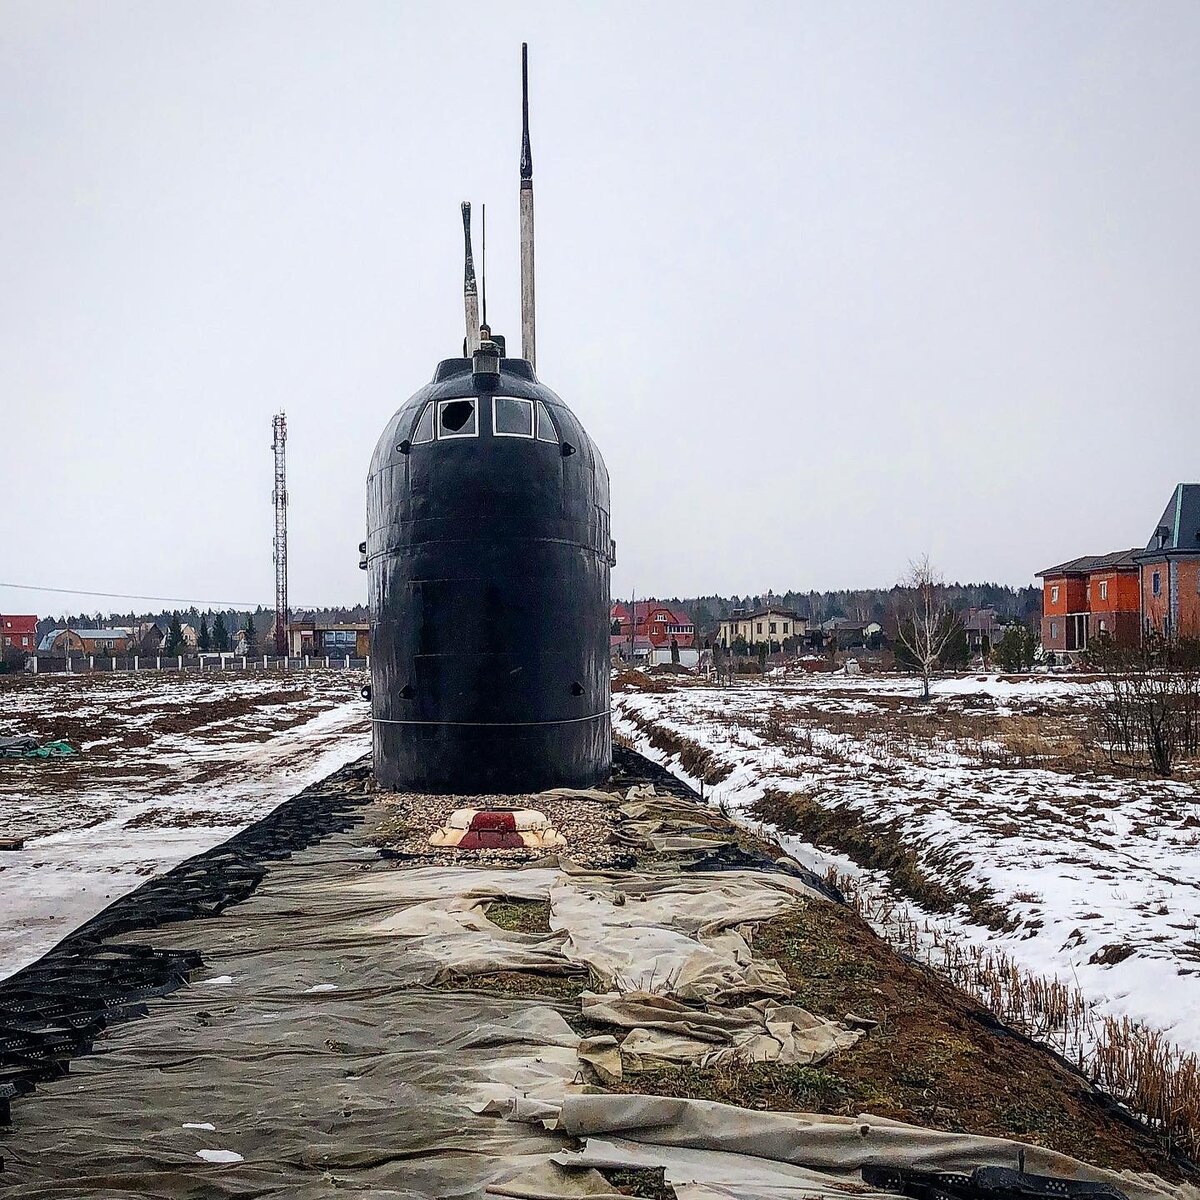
18 636
769 624
659 633
1130 593
335 640
87 641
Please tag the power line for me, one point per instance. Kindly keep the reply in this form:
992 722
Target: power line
236 604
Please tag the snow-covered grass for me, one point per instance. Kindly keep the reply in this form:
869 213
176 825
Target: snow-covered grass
170 765
1029 843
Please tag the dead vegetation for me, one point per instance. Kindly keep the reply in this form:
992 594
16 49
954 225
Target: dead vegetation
969 727
936 1056
879 845
1140 1067
696 760
521 916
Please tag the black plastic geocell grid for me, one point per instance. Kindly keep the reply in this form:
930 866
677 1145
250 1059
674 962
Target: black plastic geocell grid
55 1008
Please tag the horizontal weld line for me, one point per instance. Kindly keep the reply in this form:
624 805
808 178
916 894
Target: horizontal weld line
493 724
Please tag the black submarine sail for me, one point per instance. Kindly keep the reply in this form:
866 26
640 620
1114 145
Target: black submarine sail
488 555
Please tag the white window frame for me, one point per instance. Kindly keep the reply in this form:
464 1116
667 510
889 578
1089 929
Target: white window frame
1054 593
437 422
1156 583
431 408
543 411
532 434
1104 589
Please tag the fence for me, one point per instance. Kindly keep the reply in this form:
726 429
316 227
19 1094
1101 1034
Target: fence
83 664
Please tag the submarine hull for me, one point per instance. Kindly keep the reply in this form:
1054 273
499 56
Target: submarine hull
488 559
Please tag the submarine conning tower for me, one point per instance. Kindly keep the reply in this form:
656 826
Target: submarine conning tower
488 557
488 553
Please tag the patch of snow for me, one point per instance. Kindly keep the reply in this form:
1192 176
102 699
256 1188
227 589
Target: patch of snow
1080 862
220 1156
98 825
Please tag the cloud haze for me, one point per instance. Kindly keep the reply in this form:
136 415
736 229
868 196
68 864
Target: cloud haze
830 285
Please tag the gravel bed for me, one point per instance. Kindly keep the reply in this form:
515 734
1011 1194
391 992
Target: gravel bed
586 823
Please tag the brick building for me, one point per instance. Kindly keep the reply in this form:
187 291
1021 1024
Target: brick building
657 623
1170 568
1088 596
18 635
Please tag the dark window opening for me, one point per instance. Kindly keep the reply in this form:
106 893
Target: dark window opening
456 418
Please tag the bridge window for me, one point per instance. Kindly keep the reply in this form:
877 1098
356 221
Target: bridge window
457 418
545 426
512 417
423 429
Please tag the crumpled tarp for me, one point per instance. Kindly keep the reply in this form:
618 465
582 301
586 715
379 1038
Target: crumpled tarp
665 1032
712 1151
30 747
684 984
311 1057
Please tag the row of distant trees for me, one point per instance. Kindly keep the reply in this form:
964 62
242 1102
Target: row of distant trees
215 639
863 604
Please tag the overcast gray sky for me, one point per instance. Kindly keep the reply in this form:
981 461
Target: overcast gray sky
830 285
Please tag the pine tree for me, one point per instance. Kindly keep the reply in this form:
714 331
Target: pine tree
220 633
251 634
175 636
202 637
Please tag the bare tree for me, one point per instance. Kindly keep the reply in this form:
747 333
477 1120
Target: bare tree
924 624
1152 706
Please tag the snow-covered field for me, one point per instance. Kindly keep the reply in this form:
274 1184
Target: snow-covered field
170 766
996 787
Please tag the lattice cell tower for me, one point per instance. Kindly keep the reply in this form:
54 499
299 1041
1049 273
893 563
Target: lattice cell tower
279 496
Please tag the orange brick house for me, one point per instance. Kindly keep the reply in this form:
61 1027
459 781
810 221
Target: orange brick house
1088 596
1170 568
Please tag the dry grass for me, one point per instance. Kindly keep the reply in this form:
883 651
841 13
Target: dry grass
879 845
1138 1066
698 761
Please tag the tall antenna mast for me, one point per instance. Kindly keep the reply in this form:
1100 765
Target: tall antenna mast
528 347
470 297
279 498
483 264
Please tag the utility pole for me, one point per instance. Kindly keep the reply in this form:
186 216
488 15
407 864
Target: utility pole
279 498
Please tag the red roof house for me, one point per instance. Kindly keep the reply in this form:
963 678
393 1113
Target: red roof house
657 623
18 635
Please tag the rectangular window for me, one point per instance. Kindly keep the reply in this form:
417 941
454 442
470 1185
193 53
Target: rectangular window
1054 594
1104 589
1156 584
1054 631
786 627
512 417
457 418
1103 625
772 628
760 627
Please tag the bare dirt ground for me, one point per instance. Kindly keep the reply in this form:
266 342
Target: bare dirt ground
169 764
